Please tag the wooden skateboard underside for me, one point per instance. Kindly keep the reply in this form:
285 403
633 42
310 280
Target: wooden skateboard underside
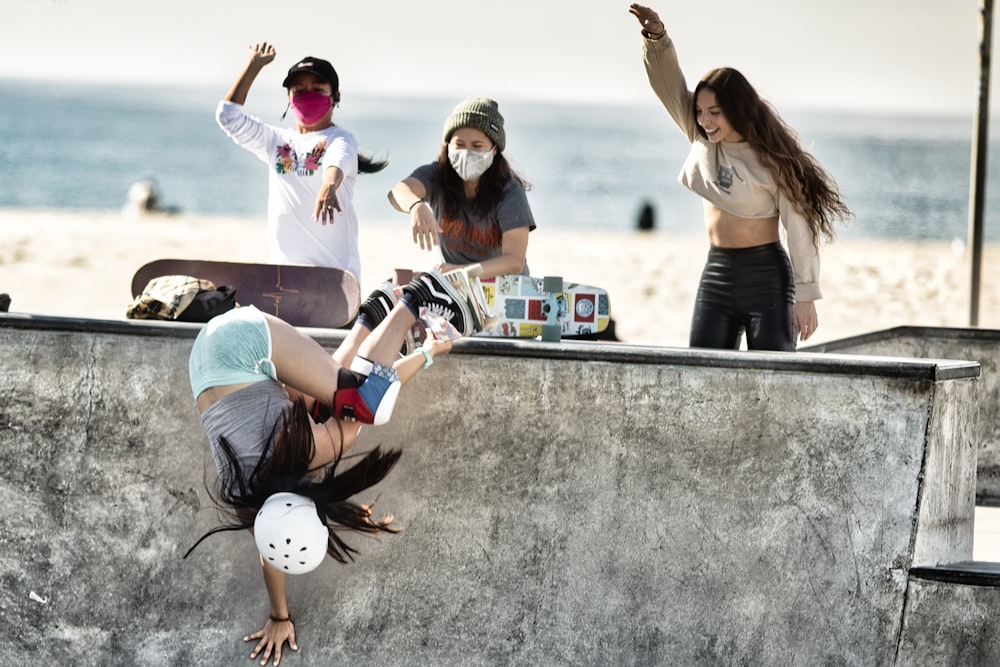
304 296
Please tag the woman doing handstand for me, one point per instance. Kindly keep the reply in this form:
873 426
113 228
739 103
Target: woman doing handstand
280 413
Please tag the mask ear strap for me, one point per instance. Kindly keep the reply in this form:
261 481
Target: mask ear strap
287 107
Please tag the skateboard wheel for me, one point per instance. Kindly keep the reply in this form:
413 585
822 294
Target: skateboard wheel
552 284
474 270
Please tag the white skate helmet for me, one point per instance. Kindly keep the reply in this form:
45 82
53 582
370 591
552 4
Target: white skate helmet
289 533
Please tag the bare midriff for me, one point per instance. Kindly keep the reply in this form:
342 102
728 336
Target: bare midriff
207 398
726 230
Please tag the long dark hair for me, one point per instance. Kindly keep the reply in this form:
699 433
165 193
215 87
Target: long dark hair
284 466
366 164
797 173
451 187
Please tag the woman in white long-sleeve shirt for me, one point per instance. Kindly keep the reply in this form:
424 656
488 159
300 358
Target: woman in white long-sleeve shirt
312 167
752 175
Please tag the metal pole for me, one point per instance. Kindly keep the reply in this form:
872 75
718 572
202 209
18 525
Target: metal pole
979 150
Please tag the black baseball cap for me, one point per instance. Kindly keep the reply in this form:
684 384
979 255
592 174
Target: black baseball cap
321 68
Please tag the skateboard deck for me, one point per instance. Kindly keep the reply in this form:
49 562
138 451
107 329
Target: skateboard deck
523 306
303 296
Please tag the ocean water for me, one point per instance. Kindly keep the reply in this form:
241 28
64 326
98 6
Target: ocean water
77 146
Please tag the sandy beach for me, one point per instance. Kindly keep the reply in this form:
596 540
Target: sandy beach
81 264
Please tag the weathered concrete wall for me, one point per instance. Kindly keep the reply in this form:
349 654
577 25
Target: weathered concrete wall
562 504
931 635
982 345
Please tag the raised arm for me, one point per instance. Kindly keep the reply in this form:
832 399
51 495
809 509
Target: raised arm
664 72
652 26
260 56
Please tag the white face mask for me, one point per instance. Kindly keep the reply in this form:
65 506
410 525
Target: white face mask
469 165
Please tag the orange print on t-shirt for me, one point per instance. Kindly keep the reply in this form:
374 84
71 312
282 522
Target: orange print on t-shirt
481 237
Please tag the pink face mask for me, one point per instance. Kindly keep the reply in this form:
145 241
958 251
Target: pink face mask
310 107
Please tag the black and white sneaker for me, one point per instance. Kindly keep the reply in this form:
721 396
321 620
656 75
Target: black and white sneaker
437 294
466 282
378 305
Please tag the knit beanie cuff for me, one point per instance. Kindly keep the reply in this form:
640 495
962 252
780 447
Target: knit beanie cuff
480 113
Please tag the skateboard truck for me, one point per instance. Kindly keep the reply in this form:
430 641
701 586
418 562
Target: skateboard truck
553 287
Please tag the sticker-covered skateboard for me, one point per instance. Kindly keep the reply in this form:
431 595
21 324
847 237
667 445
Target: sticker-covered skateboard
525 306
303 296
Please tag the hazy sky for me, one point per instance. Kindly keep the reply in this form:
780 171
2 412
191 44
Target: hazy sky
916 55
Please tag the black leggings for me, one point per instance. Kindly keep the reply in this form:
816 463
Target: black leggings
745 289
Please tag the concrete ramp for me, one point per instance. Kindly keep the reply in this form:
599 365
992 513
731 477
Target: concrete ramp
562 504
981 345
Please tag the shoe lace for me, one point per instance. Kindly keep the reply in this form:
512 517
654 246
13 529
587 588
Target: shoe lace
440 309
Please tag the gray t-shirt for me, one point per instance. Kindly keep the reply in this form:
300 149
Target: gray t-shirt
474 238
248 419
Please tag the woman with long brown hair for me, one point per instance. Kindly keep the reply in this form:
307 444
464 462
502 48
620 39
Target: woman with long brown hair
753 176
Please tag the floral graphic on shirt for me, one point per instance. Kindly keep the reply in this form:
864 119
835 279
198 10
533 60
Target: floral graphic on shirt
288 161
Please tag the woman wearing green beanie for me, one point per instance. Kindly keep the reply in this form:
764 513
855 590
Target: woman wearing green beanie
470 202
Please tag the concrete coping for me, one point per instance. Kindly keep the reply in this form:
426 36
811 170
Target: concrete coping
951 333
967 572
803 361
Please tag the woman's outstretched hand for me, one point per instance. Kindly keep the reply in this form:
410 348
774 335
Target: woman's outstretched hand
261 54
425 226
648 19
272 637
326 204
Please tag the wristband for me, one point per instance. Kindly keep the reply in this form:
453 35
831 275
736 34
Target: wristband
410 210
427 356
286 619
